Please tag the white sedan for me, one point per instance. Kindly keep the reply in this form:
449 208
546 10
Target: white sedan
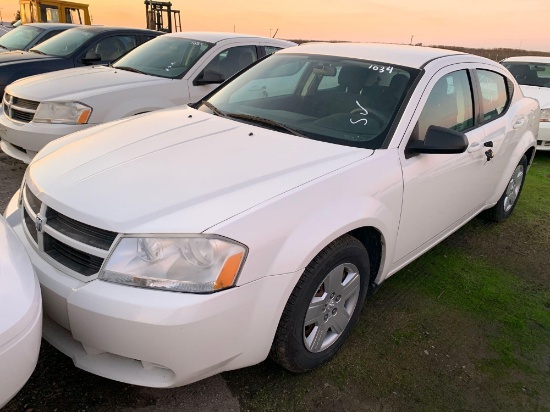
21 315
191 241
533 75
167 71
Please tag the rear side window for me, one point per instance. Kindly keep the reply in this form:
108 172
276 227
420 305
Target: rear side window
449 105
494 94
271 49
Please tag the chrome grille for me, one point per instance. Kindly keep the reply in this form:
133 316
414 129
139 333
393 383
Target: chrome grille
73 247
32 200
84 263
18 109
102 239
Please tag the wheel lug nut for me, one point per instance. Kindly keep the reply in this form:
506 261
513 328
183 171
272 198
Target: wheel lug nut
332 295
338 298
325 307
334 311
326 317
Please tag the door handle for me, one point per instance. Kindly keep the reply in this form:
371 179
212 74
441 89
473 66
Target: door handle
519 122
474 147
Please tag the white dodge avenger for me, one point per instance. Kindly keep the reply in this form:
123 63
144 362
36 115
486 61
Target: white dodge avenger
182 243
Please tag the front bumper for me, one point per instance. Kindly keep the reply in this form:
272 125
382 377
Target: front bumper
18 357
23 140
157 338
543 139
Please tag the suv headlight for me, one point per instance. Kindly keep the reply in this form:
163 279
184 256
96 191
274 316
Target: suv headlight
545 115
189 263
62 113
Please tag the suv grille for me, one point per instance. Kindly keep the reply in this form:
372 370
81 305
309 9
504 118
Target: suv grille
74 245
21 110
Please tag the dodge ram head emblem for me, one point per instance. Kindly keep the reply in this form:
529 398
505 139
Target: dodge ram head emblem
38 223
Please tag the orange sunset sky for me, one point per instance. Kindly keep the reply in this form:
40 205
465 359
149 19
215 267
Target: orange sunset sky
472 23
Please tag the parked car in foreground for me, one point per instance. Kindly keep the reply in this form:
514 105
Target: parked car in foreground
189 241
21 319
533 75
80 46
170 70
30 35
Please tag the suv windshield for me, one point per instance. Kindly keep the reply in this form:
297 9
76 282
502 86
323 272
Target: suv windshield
19 38
169 57
64 43
530 74
332 99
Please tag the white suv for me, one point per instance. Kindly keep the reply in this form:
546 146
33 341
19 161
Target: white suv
170 70
533 75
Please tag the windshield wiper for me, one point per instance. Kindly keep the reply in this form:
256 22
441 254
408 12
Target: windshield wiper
269 122
130 69
37 52
214 109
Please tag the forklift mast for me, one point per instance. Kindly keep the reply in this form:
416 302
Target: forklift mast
157 12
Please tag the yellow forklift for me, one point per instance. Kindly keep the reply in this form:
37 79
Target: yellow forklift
54 11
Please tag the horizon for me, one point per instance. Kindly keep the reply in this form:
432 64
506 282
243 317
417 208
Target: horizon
465 23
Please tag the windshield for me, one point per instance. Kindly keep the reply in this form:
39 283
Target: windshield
169 57
332 99
19 38
530 74
64 44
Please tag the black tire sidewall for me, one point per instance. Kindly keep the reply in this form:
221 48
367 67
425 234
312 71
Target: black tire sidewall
350 252
505 214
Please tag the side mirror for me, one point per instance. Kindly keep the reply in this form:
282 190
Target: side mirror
440 140
209 77
91 57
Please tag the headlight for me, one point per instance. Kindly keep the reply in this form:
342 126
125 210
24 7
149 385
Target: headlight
62 113
545 115
191 263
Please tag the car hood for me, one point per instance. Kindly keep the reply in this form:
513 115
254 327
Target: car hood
18 56
176 171
79 83
542 94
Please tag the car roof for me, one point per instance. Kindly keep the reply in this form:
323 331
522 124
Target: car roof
100 29
52 26
528 59
214 37
401 55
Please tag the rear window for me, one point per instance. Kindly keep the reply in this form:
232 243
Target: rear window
530 74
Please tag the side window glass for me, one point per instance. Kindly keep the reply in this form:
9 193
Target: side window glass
232 60
449 105
111 48
271 49
49 14
494 94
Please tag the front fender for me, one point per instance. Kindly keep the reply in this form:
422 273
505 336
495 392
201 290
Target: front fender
285 233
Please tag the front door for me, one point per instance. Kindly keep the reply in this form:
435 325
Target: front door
442 190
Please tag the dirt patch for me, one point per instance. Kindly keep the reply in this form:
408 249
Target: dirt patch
11 175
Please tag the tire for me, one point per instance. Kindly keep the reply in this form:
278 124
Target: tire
331 292
507 202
